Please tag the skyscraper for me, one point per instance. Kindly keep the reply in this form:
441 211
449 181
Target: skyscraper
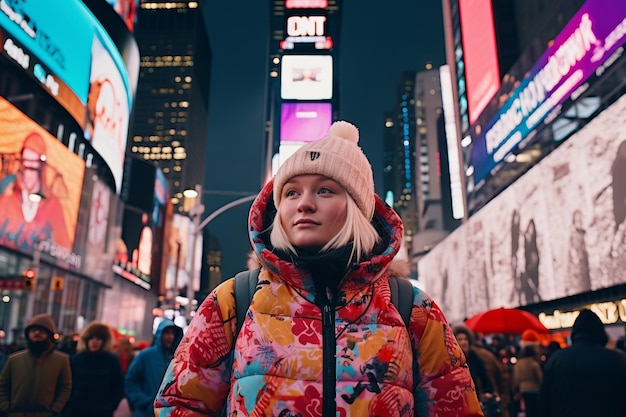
169 121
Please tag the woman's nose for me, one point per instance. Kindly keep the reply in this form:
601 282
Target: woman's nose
307 202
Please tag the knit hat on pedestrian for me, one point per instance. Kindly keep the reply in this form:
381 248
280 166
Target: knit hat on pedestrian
530 337
588 326
338 157
43 321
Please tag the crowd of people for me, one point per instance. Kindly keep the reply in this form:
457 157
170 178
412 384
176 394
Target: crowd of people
88 375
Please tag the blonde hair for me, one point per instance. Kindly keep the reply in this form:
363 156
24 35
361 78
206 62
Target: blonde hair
357 229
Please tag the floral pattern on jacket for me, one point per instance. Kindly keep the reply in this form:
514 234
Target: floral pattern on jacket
276 366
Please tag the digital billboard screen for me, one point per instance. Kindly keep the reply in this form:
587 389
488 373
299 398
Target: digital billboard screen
40 188
304 122
180 244
306 4
127 9
306 77
590 39
133 257
81 68
558 231
480 54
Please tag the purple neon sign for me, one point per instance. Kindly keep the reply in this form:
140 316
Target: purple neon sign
587 41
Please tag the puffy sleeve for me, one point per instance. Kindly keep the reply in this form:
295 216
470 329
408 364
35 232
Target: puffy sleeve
197 380
443 384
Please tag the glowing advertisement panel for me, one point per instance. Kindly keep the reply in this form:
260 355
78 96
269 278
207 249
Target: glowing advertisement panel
127 9
558 231
306 77
34 163
179 243
304 122
306 4
587 41
37 25
133 257
480 54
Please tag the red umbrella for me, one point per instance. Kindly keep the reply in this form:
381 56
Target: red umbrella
505 320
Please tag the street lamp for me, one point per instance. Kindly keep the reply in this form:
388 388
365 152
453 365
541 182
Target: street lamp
196 212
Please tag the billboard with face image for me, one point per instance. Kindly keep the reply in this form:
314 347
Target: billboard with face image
40 188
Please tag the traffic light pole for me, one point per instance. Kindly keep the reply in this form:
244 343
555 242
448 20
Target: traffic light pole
196 213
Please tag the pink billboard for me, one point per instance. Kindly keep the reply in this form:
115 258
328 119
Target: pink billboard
480 53
304 122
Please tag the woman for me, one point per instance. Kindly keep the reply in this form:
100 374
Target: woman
98 385
482 380
527 377
530 277
321 337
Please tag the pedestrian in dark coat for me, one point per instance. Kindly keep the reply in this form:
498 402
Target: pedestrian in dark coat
37 381
98 382
585 379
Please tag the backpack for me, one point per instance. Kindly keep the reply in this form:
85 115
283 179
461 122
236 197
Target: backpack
246 281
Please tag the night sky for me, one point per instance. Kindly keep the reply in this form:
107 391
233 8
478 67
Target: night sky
379 41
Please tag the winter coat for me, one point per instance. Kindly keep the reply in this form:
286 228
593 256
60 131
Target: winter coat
585 379
300 352
527 375
35 386
145 373
98 385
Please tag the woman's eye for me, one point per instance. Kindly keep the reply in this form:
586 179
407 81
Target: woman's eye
326 191
290 193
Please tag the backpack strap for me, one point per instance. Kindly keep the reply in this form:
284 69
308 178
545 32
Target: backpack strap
244 289
402 297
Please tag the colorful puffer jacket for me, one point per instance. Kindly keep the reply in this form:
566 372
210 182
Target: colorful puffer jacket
295 356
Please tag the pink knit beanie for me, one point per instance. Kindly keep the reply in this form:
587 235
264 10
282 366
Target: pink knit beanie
338 157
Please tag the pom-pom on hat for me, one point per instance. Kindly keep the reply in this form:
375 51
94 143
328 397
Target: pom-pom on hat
338 157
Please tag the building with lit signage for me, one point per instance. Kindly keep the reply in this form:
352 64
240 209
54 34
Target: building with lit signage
303 91
543 155
66 99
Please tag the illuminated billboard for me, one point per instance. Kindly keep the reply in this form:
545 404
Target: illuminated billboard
589 40
81 68
40 188
133 255
180 242
480 54
306 4
127 9
304 122
558 231
306 77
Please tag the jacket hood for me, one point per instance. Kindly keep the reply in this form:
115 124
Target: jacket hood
165 323
385 220
96 329
44 321
589 327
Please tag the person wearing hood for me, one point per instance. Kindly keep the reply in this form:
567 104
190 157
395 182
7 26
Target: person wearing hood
321 336
145 373
586 378
98 384
37 381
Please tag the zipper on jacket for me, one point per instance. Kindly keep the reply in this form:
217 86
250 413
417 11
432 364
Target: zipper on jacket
328 354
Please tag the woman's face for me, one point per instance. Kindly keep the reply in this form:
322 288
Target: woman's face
463 342
312 210
94 344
